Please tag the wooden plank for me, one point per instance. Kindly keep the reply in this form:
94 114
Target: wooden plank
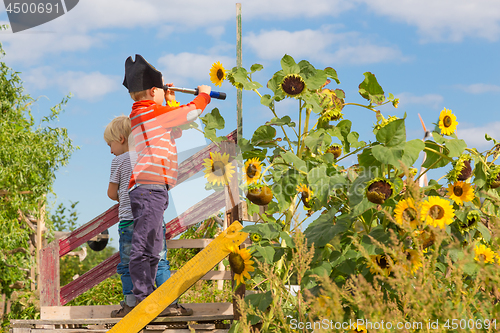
57 313
90 229
199 243
178 283
90 279
214 275
49 275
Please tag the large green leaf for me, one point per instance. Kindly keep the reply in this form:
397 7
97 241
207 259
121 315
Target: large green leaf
260 301
388 155
393 133
289 65
324 228
412 151
332 73
433 157
318 139
263 135
297 163
286 120
371 90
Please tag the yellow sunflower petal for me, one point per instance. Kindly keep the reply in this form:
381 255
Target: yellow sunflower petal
447 122
437 212
217 74
460 192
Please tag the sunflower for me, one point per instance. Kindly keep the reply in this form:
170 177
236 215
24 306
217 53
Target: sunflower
405 211
218 170
173 104
460 192
413 261
378 190
306 194
484 254
437 212
293 85
335 149
217 74
239 260
252 170
447 122
358 329
382 262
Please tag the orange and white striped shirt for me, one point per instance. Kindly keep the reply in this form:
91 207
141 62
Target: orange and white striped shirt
156 160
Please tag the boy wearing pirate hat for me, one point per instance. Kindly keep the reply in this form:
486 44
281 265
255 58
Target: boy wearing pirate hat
154 168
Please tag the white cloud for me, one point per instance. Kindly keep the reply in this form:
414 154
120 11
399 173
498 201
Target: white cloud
185 67
474 136
479 88
321 45
431 100
87 86
450 20
30 47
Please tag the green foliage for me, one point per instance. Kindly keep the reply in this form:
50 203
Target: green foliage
371 227
108 292
30 154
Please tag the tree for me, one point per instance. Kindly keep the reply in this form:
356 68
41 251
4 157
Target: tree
30 155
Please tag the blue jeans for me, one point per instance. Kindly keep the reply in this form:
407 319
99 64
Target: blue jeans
125 243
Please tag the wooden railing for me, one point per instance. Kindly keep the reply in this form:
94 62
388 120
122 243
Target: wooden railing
51 294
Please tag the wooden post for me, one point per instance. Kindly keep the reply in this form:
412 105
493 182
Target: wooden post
49 275
39 237
232 214
239 63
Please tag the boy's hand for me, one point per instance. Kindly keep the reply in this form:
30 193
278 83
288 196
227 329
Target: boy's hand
169 94
204 89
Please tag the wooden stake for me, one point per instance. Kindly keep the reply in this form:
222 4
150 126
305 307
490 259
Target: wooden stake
239 63
39 237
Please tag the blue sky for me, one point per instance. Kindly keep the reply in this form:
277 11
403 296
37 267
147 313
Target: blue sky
431 54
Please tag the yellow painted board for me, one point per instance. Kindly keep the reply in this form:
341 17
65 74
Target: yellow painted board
178 283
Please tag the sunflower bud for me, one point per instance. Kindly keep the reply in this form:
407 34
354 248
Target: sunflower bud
466 171
336 150
494 178
255 237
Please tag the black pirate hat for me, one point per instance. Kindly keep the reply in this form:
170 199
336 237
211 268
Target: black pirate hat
140 75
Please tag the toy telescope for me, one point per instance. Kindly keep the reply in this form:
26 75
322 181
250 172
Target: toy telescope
213 94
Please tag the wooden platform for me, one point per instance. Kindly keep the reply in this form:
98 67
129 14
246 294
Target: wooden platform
207 317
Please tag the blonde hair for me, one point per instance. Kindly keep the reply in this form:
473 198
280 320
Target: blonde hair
139 95
118 127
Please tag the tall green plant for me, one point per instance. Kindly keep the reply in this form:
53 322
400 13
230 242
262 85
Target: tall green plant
365 220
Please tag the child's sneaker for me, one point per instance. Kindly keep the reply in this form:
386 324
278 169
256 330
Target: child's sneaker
125 309
175 310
